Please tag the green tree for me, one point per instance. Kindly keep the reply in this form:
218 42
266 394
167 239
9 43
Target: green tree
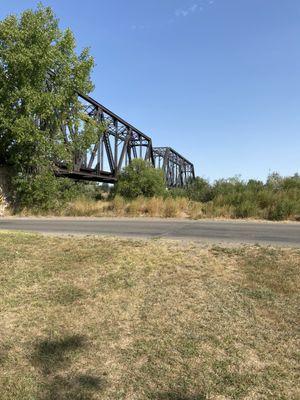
41 118
139 178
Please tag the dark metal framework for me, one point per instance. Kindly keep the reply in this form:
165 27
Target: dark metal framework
178 171
117 146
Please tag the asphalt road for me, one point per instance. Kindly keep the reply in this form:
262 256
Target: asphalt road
287 234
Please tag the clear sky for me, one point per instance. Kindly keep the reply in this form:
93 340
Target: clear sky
217 80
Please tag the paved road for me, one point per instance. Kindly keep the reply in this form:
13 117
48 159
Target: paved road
217 231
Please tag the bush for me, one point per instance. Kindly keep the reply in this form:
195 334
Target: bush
43 192
282 209
200 190
246 209
139 178
277 199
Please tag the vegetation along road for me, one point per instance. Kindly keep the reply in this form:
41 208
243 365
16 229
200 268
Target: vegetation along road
217 231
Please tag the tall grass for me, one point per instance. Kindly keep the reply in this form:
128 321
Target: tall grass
171 208
141 206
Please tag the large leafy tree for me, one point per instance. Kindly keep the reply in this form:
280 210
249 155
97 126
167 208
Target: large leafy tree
41 119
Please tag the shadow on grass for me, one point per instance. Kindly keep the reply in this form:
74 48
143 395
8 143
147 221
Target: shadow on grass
80 387
179 396
50 355
53 358
4 349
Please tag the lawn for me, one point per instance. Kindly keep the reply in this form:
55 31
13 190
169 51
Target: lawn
104 318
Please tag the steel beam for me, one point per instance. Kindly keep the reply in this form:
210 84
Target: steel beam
178 171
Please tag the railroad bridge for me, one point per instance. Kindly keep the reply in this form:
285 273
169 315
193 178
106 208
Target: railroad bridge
117 146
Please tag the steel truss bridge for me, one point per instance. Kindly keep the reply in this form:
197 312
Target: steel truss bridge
117 146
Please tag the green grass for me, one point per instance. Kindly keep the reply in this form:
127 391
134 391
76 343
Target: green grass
103 318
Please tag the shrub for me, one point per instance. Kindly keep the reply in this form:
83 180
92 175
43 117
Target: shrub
246 209
177 192
200 190
43 192
282 209
139 178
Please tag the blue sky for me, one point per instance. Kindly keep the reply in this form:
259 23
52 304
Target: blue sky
219 80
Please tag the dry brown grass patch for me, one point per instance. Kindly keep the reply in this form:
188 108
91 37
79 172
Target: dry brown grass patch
103 318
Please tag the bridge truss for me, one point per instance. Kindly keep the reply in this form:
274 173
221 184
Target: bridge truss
117 146
178 171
